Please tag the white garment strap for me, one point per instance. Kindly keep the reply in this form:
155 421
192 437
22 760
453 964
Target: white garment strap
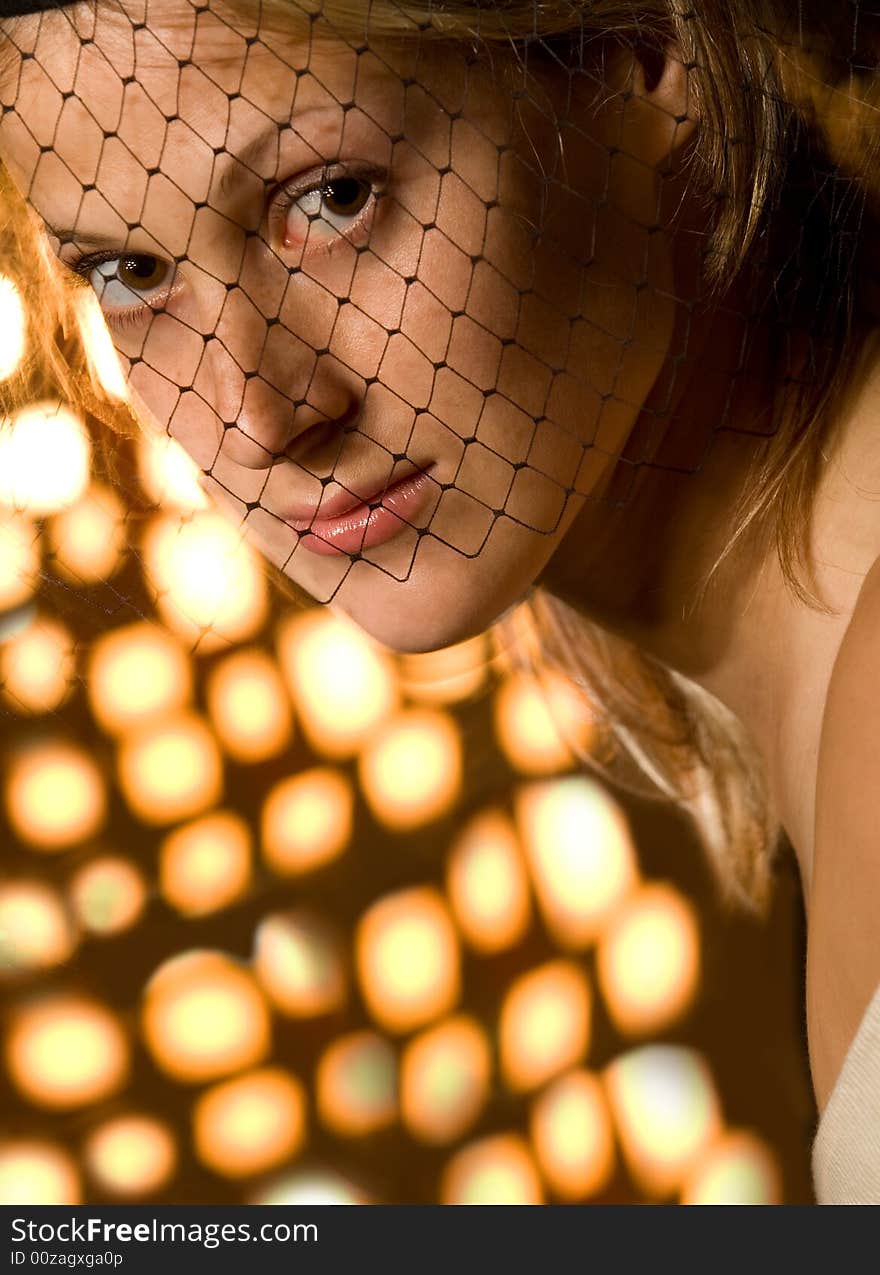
846 1149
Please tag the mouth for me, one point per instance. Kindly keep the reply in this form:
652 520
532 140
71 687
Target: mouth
348 525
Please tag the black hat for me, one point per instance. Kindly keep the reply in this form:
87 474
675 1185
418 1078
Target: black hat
18 8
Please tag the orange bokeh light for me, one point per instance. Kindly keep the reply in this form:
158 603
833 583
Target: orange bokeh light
108 894
343 684
66 1052
19 558
131 1155
87 539
170 769
580 854
487 884
45 455
307 820
37 666
36 929
210 587
407 959
248 706
356 1084
571 1132
204 1016
544 1025
445 1075
206 864
55 796
251 1123
648 960
136 673
446 676
33 1171
542 723
666 1113
411 768
299 961
495 1170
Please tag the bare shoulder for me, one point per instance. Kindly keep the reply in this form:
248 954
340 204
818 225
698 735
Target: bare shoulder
843 950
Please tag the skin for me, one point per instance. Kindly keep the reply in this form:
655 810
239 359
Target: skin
556 350
362 377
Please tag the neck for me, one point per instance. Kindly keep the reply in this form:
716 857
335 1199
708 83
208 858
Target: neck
636 557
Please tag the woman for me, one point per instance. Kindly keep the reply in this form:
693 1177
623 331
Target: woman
473 297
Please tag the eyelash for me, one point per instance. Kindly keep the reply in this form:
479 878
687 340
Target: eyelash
280 205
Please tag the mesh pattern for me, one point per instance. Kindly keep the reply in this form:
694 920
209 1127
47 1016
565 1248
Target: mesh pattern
431 295
449 301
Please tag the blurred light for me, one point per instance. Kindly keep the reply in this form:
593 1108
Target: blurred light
13 326
108 894
407 959
666 1113
251 1123
36 931
444 1079
648 961
544 1026
410 769
135 673
248 706
738 1168
446 676
19 558
356 1084
487 884
209 584
170 769
88 538
98 345
37 666
66 1052
168 475
206 865
572 1135
580 853
298 960
343 684
495 1170
54 796
307 820
131 1155
204 1016
310 1186
45 455
542 723
36 1172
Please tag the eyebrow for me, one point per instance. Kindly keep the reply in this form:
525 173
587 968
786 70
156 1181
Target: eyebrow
253 152
250 157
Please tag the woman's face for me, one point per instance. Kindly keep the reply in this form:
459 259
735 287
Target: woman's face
401 316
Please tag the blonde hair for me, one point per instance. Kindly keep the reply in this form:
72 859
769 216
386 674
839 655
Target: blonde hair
766 160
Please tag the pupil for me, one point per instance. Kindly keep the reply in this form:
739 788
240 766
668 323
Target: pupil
342 192
141 271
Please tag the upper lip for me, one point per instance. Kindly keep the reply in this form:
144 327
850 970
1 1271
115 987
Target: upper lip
303 515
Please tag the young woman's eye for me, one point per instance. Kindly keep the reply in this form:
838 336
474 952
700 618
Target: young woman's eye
326 210
127 285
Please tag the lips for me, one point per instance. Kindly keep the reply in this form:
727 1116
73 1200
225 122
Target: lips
308 515
348 524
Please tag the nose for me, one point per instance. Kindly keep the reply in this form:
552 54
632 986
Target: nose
268 389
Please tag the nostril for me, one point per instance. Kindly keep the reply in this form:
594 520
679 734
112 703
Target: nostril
318 448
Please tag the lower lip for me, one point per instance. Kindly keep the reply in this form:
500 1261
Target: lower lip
362 527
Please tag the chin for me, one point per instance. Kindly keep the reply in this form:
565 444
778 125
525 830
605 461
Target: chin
411 634
407 622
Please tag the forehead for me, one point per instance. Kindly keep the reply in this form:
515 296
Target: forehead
132 65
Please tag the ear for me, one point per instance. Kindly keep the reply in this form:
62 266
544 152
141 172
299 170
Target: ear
659 113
